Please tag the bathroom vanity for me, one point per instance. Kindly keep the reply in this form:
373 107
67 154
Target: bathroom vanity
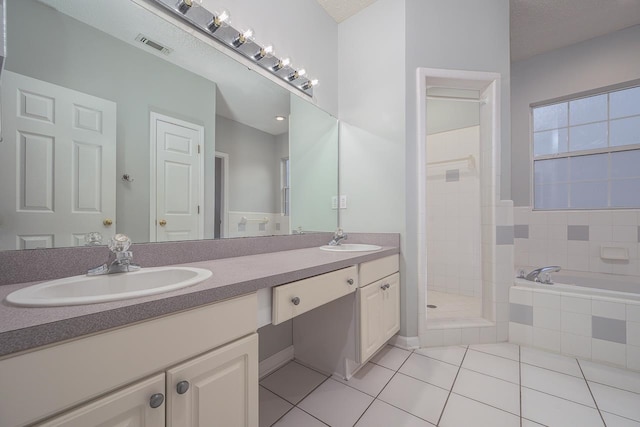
197 364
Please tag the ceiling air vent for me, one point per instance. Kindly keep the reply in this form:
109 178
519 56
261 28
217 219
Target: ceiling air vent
157 46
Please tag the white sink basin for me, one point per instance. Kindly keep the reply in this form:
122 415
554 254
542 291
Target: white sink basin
78 290
351 247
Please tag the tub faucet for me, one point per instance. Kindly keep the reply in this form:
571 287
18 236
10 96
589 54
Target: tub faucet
118 245
338 237
534 276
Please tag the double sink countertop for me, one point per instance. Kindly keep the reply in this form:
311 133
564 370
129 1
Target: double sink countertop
27 328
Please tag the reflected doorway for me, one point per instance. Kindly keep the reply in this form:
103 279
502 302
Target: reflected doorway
221 189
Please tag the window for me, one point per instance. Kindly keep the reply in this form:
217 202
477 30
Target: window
586 152
284 179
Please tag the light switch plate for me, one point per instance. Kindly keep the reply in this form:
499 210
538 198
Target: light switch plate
343 201
334 202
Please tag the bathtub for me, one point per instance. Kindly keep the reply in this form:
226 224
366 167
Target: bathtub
605 285
589 316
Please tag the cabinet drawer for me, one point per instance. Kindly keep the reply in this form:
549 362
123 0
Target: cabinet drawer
375 270
311 293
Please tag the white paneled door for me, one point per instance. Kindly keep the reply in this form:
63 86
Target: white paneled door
177 176
57 165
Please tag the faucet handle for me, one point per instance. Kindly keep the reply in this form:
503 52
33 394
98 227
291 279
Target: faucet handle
119 243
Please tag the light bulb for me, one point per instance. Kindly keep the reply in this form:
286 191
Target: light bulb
309 84
281 64
296 74
268 50
218 20
243 37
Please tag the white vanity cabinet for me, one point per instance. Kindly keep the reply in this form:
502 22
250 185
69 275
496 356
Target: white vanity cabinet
338 338
379 310
194 368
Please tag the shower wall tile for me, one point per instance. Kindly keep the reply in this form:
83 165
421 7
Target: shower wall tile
573 239
521 231
504 235
578 232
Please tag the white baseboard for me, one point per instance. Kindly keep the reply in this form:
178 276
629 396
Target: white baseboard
274 362
408 343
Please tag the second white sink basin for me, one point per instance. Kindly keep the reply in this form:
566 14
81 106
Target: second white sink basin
351 247
84 289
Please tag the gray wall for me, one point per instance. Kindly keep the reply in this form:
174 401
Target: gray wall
274 339
377 103
299 29
254 172
592 64
461 35
50 46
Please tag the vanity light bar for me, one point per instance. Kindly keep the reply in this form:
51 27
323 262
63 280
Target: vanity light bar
217 27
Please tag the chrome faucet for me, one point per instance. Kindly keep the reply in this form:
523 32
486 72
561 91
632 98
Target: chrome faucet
338 237
534 276
118 245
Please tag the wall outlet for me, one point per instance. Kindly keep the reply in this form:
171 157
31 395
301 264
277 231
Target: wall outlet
334 202
343 201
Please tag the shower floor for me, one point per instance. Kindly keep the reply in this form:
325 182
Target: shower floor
452 306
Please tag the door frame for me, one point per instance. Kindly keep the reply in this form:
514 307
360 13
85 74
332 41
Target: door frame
153 185
489 143
224 225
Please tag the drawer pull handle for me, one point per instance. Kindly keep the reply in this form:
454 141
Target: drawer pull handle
295 301
156 400
350 281
182 387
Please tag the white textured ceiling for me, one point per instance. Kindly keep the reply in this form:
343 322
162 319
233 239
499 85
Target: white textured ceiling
340 10
539 26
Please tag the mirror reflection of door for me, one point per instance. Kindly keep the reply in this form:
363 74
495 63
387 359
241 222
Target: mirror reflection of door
221 188
57 165
177 211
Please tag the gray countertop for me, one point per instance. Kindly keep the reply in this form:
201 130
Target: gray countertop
27 328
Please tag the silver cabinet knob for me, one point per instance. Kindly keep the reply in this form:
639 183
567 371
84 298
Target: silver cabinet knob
156 400
350 281
295 301
182 387
383 287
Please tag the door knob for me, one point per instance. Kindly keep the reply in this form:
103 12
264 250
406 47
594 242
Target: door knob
107 222
182 387
156 400
162 222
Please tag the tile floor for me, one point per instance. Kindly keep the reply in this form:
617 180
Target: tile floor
496 385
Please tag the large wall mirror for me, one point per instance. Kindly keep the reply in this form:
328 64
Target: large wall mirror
116 118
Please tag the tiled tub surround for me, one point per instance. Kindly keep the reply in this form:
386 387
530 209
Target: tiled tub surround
239 266
593 324
574 240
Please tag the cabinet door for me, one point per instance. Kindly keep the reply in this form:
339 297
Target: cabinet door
371 303
391 307
130 406
219 388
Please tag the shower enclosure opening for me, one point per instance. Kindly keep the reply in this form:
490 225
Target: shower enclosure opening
454 244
